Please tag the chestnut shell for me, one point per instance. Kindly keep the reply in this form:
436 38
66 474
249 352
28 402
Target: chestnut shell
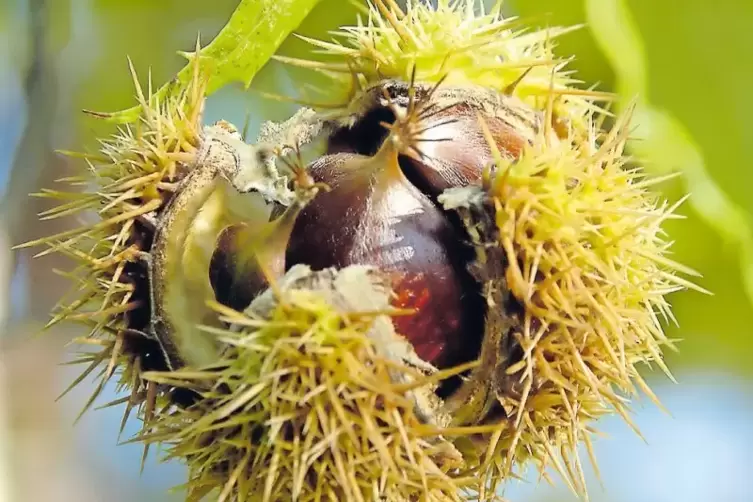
231 288
382 209
372 217
452 146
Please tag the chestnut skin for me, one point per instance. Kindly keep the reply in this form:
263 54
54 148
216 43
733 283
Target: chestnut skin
234 270
453 150
372 215
235 286
381 210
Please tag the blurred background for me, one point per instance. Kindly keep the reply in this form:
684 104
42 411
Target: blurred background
689 61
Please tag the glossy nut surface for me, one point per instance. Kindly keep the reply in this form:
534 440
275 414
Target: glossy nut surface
373 215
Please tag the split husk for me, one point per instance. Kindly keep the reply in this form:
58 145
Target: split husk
310 393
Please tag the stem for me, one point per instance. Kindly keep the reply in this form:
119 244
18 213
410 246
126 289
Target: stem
253 34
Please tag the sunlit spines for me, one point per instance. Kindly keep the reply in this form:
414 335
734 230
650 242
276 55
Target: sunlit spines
118 197
305 402
454 40
587 263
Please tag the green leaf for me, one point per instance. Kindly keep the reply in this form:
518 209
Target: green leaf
253 34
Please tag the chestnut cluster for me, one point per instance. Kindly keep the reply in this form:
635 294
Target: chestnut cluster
455 275
384 170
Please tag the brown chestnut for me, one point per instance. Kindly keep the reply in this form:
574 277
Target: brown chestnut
235 284
385 167
373 215
451 149
247 257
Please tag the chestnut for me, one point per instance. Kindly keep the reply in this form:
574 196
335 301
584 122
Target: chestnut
385 167
373 215
234 284
246 256
451 148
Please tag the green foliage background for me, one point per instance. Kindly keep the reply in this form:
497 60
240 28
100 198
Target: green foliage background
698 80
